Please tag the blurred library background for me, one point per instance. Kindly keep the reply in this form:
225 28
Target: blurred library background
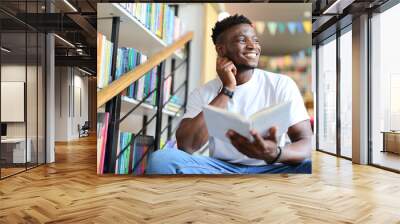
132 37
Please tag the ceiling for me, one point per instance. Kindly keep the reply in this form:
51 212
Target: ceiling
77 27
280 43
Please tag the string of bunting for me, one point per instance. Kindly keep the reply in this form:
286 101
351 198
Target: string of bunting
292 27
301 58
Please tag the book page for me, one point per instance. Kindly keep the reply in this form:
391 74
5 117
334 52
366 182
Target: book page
277 115
219 121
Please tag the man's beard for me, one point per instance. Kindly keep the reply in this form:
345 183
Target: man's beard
243 67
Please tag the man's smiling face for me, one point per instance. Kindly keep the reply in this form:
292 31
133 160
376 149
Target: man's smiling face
241 45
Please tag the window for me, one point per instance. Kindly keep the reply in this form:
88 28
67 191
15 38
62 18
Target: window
385 89
327 96
346 93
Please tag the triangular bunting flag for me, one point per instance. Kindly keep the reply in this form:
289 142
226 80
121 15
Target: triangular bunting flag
307 26
260 27
292 27
272 28
300 27
302 54
281 27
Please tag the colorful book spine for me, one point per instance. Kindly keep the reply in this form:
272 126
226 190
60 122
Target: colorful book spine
124 158
154 81
167 89
102 127
160 18
143 146
149 86
118 150
152 17
170 31
141 81
146 90
177 28
165 22
99 56
104 54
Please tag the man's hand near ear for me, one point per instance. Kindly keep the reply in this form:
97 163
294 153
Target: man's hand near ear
226 71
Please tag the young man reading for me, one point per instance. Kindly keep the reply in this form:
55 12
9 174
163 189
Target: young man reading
244 89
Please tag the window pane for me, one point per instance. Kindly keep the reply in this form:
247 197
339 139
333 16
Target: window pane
31 97
346 94
327 97
41 99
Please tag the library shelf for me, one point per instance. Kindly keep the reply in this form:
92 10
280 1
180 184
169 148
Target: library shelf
133 34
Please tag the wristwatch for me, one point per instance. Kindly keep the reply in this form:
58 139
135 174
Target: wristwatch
227 92
279 150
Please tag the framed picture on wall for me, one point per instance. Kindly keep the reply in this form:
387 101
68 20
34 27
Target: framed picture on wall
12 101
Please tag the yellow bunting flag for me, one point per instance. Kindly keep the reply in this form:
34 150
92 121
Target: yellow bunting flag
307 26
260 27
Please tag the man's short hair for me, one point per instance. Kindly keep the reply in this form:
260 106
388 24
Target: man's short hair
227 23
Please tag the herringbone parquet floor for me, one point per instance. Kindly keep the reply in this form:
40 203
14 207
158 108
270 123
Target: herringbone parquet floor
69 191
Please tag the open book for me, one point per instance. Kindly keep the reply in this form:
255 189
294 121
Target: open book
219 121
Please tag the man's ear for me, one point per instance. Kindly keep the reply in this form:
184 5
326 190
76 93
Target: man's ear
220 50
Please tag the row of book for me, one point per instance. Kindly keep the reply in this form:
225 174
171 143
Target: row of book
127 60
132 153
159 18
173 107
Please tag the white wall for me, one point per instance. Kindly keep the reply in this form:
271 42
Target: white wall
61 103
80 84
67 115
192 16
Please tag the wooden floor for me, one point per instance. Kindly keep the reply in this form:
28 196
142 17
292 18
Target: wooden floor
10 171
69 191
388 159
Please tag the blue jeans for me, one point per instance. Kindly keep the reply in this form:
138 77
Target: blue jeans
175 161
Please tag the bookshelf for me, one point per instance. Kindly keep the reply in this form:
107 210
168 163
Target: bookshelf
134 34
144 109
124 30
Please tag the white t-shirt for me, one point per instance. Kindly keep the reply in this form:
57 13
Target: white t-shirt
264 89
